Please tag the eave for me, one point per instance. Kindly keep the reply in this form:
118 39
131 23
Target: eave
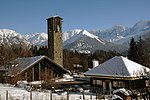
114 77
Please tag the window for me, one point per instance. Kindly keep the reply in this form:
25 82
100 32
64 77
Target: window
121 84
94 82
97 82
118 84
115 84
58 28
147 82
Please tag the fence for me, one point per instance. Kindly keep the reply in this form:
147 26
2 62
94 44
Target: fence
46 95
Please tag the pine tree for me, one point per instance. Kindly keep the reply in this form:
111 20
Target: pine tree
147 50
132 51
140 51
33 49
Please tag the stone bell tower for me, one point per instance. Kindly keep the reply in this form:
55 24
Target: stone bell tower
54 29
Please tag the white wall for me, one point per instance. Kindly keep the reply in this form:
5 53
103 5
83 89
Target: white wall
95 63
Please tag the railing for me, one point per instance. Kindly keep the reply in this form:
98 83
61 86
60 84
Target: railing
46 95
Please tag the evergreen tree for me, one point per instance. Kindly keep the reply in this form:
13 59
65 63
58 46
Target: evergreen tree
141 51
147 50
132 51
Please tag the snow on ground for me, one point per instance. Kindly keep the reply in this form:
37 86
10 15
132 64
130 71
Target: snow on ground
15 93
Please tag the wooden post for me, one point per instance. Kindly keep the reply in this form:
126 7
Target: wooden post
30 95
32 73
46 74
91 95
26 76
110 87
83 94
23 97
104 87
98 96
91 89
96 93
39 71
67 95
6 95
50 94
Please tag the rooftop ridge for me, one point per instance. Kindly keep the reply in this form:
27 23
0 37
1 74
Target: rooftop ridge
53 17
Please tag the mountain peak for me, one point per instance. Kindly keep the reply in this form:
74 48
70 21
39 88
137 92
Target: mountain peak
85 32
37 38
8 32
142 23
76 34
119 27
8 36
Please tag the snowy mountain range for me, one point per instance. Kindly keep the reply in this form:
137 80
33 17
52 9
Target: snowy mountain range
115 38
83 40
122 35
37 39
9 37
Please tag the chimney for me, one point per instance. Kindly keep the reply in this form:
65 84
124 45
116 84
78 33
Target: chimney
95 63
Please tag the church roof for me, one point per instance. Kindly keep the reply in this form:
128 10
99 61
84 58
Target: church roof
21 64
118 66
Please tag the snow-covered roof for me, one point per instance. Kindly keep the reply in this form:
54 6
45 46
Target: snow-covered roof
118 66
124 91
56 16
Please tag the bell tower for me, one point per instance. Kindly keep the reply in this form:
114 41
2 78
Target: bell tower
54 29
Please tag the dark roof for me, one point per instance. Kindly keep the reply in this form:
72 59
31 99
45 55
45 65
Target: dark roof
21 64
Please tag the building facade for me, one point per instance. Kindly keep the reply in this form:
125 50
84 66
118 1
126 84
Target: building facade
118 72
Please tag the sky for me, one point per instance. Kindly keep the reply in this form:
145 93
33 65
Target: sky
29 16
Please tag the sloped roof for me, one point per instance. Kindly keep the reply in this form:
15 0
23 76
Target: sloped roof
118 66
24 63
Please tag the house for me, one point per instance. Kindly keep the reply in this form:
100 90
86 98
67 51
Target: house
36 68
118 72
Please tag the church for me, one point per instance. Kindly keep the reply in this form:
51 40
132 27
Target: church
39 68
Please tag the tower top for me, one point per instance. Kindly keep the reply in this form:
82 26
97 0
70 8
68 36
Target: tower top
56 16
